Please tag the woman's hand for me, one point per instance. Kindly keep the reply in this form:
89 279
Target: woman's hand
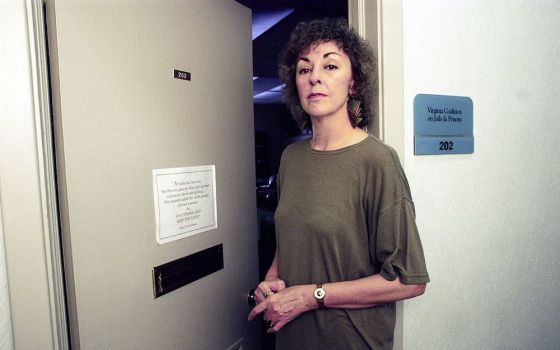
285 305
271 284
268 287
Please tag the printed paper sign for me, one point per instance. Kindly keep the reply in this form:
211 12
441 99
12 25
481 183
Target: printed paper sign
185 201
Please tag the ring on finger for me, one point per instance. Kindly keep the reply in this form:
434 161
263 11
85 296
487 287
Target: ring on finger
267 293
269 323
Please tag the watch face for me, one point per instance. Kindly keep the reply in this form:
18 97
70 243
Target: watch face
319 293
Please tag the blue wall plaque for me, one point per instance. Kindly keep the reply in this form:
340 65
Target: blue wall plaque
443 124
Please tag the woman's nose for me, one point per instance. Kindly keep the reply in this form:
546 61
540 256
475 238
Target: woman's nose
314 78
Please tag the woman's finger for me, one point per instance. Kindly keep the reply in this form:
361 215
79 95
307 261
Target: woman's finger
264 290
275 285
260 308
260 295
276 327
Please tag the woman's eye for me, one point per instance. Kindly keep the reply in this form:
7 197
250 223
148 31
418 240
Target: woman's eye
331 66
303 70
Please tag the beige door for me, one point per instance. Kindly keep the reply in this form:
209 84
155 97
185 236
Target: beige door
119 113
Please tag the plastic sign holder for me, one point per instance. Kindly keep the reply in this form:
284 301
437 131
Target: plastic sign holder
443 125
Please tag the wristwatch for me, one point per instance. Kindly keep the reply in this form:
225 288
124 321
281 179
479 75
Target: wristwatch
319 295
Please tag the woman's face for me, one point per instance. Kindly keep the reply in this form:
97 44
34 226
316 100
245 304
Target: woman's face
324 80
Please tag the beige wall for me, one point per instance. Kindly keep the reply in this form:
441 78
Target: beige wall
6 337
489 221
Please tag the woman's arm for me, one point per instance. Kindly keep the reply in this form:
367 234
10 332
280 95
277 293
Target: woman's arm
273 271
286 305
368 291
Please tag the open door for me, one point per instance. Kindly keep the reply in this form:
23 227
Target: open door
119 113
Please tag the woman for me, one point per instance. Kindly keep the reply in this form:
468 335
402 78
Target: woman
347 243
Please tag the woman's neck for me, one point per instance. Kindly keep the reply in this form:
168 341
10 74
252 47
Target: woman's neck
330 134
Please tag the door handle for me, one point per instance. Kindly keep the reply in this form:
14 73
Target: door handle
251 298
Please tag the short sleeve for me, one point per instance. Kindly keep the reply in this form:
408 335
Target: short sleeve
398 248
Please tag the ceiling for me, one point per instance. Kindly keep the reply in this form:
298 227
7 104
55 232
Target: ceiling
273 20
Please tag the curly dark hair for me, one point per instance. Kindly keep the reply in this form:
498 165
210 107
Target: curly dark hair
362 59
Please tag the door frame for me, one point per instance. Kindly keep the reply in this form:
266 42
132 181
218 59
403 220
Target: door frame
381 23
46 166
29 211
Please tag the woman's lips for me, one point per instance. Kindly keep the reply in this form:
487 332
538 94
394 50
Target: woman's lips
315 95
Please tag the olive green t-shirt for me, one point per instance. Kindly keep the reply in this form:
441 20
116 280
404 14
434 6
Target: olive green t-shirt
344 215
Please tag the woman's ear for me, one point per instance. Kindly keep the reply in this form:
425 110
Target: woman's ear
351 90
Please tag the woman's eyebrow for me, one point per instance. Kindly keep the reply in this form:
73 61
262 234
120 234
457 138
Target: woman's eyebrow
329 53
303 58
